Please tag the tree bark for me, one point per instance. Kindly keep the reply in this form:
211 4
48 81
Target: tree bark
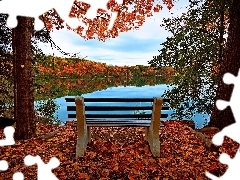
231 63
23 79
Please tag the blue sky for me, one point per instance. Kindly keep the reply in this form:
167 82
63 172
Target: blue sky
129 48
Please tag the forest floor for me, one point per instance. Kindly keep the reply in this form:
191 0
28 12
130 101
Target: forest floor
118 153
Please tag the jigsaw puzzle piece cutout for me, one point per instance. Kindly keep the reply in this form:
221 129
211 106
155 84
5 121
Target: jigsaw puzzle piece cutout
9 139
63 9
44 170
12 21
28 8
94 6
221 104
232 130
119 1
18 176
112 20
114 16
34 9
229 78
232 172
3 165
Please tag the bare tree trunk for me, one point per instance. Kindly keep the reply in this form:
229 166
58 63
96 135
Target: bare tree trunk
230 63
23 79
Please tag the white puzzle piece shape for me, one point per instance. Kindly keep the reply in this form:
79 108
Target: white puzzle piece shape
18 176
231 131
232 172
35 8
100 4
3 165
9 139
44 170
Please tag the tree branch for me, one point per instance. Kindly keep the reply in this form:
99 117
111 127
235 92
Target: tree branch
53 44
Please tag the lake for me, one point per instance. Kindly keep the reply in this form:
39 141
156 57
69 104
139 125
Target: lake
146 91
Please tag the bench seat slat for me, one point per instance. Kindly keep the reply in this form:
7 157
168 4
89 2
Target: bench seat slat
118 123
124 122
119 119
116 100
117 115
114 108
145 123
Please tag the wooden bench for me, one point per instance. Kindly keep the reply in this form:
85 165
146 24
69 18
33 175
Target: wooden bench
151 121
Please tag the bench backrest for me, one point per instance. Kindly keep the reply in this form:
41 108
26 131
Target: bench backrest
123 110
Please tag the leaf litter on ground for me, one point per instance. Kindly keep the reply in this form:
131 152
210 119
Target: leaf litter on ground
118 153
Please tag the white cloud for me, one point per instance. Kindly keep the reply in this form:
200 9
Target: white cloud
151 28
108 52
106 55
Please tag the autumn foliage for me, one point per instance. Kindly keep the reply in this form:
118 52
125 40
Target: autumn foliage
118 153
75 67
131 15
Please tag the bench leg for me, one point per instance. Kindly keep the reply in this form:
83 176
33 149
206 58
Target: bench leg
82 140
152 134
82 130
153 141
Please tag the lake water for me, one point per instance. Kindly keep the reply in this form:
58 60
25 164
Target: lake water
128 92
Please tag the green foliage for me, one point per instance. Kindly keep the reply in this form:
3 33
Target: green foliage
46 110
193 51
5 35
6 87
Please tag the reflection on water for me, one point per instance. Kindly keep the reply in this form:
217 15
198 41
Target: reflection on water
127 92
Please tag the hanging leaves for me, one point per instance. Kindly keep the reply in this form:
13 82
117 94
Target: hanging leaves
169 3
130 15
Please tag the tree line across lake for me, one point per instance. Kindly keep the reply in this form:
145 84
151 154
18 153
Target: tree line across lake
80 67
57 77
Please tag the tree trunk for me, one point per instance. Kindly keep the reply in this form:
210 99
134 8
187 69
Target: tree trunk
23 79
231 63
